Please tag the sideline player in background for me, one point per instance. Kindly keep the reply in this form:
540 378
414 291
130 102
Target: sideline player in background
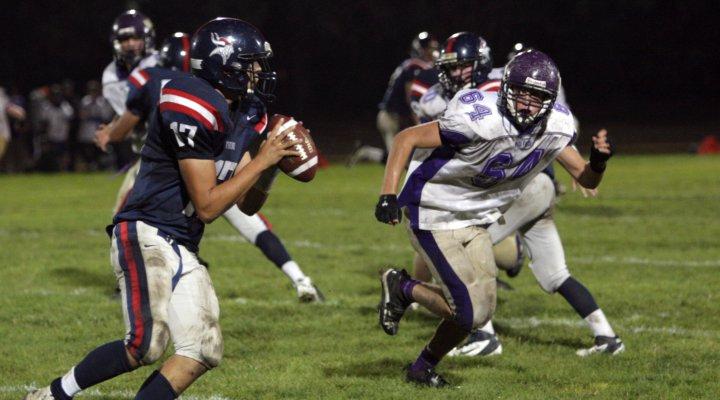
466 168
143 97
167 294
395 113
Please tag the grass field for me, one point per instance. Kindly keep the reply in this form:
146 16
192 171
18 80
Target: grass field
647 248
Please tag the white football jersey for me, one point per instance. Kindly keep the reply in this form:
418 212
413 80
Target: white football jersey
115 89
434 102
483 164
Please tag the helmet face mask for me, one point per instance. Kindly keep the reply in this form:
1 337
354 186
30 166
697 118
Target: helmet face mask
529 87
464 62
233 56
526 105
129 28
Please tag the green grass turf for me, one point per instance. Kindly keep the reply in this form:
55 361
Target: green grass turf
647 248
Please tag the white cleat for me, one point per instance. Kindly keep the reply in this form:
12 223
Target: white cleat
40 394
307 292
604 344
479 343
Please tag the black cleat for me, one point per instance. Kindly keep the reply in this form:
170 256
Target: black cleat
425 377
604 345
479 343
392 301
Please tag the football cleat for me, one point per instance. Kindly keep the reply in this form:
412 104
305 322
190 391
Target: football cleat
40 394
604 344
425 377
307 292
479 343
392 301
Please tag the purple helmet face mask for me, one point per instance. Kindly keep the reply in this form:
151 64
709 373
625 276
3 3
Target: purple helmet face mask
531 71
132 24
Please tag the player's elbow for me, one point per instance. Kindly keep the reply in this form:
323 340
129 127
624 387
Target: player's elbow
207 216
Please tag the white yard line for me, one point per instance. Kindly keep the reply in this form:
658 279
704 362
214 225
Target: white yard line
622 325
650 262
96 393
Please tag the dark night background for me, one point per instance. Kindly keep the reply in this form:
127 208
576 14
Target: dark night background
648 70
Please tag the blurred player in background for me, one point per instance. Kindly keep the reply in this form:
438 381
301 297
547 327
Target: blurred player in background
133 40
467 168
167 294
145 85
395 113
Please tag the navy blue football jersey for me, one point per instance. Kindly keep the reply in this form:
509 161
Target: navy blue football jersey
422 81
192 121
144 89
395 99
249 122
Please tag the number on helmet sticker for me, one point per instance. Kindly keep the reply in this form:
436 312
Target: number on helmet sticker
187 131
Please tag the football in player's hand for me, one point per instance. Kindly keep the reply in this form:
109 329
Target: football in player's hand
301 167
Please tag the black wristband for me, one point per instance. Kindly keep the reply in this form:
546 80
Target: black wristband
598 166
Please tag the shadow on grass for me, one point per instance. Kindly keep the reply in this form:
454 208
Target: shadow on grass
591 210
386 368
525 335
74 277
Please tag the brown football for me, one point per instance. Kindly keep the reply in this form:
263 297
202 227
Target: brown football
301 167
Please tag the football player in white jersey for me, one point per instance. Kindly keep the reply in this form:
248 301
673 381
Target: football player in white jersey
464 62
466 170
133 40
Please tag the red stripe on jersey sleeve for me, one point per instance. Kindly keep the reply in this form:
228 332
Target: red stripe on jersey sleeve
209 107
135 82
168 106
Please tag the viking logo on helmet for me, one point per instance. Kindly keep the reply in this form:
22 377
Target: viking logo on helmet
224 47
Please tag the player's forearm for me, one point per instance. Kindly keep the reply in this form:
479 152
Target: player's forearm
401 149
226 194
588 178
121 128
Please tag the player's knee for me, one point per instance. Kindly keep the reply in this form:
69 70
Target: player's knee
148 352
464 318
211 348
507 253
551 282
207 349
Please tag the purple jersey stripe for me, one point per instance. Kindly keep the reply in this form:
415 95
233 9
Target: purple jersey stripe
411 193
458 290
453 138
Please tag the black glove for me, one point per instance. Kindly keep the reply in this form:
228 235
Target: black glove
598 160
387 209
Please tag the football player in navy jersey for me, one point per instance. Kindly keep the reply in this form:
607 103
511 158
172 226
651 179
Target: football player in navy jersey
194 166
143 97
395 114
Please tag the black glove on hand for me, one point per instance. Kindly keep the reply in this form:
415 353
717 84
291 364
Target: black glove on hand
387 209
598 159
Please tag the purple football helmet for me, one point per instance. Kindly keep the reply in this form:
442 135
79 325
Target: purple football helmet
129 24
532 79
